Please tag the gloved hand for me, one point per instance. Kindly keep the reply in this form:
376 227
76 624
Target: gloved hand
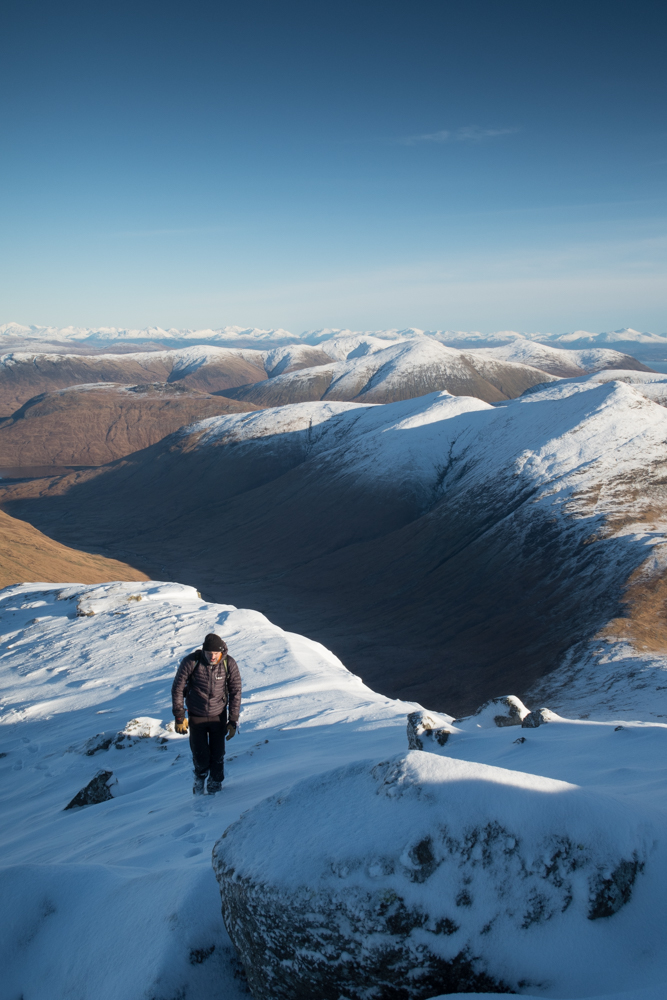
181 726
231 730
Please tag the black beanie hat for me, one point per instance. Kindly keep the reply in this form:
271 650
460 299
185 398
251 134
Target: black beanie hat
213 644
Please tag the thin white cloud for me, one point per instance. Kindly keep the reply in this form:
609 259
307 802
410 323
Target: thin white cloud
468 133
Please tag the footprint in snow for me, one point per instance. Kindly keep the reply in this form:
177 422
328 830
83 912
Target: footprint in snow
182 830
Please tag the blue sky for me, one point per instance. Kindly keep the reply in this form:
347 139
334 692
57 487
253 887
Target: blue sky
462 165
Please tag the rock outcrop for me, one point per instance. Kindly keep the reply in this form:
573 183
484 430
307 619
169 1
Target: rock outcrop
97 790
418 876
505 711
538 718
425 733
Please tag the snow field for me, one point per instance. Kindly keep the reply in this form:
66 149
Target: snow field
119 898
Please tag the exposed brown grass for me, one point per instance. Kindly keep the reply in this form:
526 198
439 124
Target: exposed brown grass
28 556
645 621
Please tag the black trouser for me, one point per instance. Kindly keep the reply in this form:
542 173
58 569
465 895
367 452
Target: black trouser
207 742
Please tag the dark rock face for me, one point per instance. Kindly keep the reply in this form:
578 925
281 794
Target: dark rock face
537 718
610 894
366 952
420 876
95 791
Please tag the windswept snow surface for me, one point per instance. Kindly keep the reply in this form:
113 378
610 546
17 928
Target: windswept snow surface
119 899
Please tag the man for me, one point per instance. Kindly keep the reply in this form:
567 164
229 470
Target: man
211 683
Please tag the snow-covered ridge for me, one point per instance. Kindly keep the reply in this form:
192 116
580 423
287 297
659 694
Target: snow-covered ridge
85 674
368 373
131 877
577 466
574 428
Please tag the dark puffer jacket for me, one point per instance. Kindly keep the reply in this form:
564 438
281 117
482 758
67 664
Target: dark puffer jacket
207 689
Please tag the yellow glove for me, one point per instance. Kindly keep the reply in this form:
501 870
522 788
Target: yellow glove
181 726
231 730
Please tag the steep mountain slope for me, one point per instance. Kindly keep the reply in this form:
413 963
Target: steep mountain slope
95 424
446 548
27 554
282 360
401 371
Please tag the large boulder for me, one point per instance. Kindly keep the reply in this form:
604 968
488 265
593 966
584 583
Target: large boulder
505 711
426 731
422 875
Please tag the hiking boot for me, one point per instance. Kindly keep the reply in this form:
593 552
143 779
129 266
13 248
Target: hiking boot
213 787
198 787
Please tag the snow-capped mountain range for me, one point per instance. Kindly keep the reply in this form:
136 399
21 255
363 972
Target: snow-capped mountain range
343 368
13 334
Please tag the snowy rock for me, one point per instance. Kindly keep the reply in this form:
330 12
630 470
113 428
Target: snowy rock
506 711
143 728
409 877
97 790
136 730
424 733
538 718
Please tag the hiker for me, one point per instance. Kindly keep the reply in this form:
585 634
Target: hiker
211 683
